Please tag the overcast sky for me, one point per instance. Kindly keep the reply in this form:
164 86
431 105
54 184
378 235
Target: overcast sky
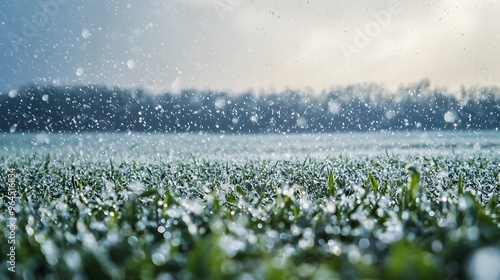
245 44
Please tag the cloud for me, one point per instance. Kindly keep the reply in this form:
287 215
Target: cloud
258 44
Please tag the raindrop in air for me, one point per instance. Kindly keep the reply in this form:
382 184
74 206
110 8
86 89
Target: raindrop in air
484 264
220 103
389 114
13 128
79 72
450 117
334 107
13 93
131 64
85 33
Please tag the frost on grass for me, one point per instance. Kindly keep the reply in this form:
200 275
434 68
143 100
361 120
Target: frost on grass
267 219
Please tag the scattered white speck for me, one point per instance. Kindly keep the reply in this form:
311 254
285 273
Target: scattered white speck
220 103
389 114
450 117
79 71
13 93
131 64
45 98
13 128
302 122
334 107
85 33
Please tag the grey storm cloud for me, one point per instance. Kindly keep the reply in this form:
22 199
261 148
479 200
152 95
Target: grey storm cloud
242 44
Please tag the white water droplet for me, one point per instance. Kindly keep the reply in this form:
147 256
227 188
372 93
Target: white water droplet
450 117
484 264
220 103
334 107
50 251
13 93
79 71
389 114
131 64
13 128
85 33
158 259
302 122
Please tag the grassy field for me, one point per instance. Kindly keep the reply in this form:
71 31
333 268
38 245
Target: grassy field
380 217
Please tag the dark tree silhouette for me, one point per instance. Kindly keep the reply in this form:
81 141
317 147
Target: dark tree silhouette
353 108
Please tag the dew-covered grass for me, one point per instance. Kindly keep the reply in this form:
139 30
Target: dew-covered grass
383 217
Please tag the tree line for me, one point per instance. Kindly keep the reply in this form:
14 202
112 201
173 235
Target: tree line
81 108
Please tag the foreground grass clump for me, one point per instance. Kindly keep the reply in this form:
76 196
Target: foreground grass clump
312 219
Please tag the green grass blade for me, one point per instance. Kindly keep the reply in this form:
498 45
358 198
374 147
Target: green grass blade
331 184
460 184
111 168
492 203
47 161
414 182
374 182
